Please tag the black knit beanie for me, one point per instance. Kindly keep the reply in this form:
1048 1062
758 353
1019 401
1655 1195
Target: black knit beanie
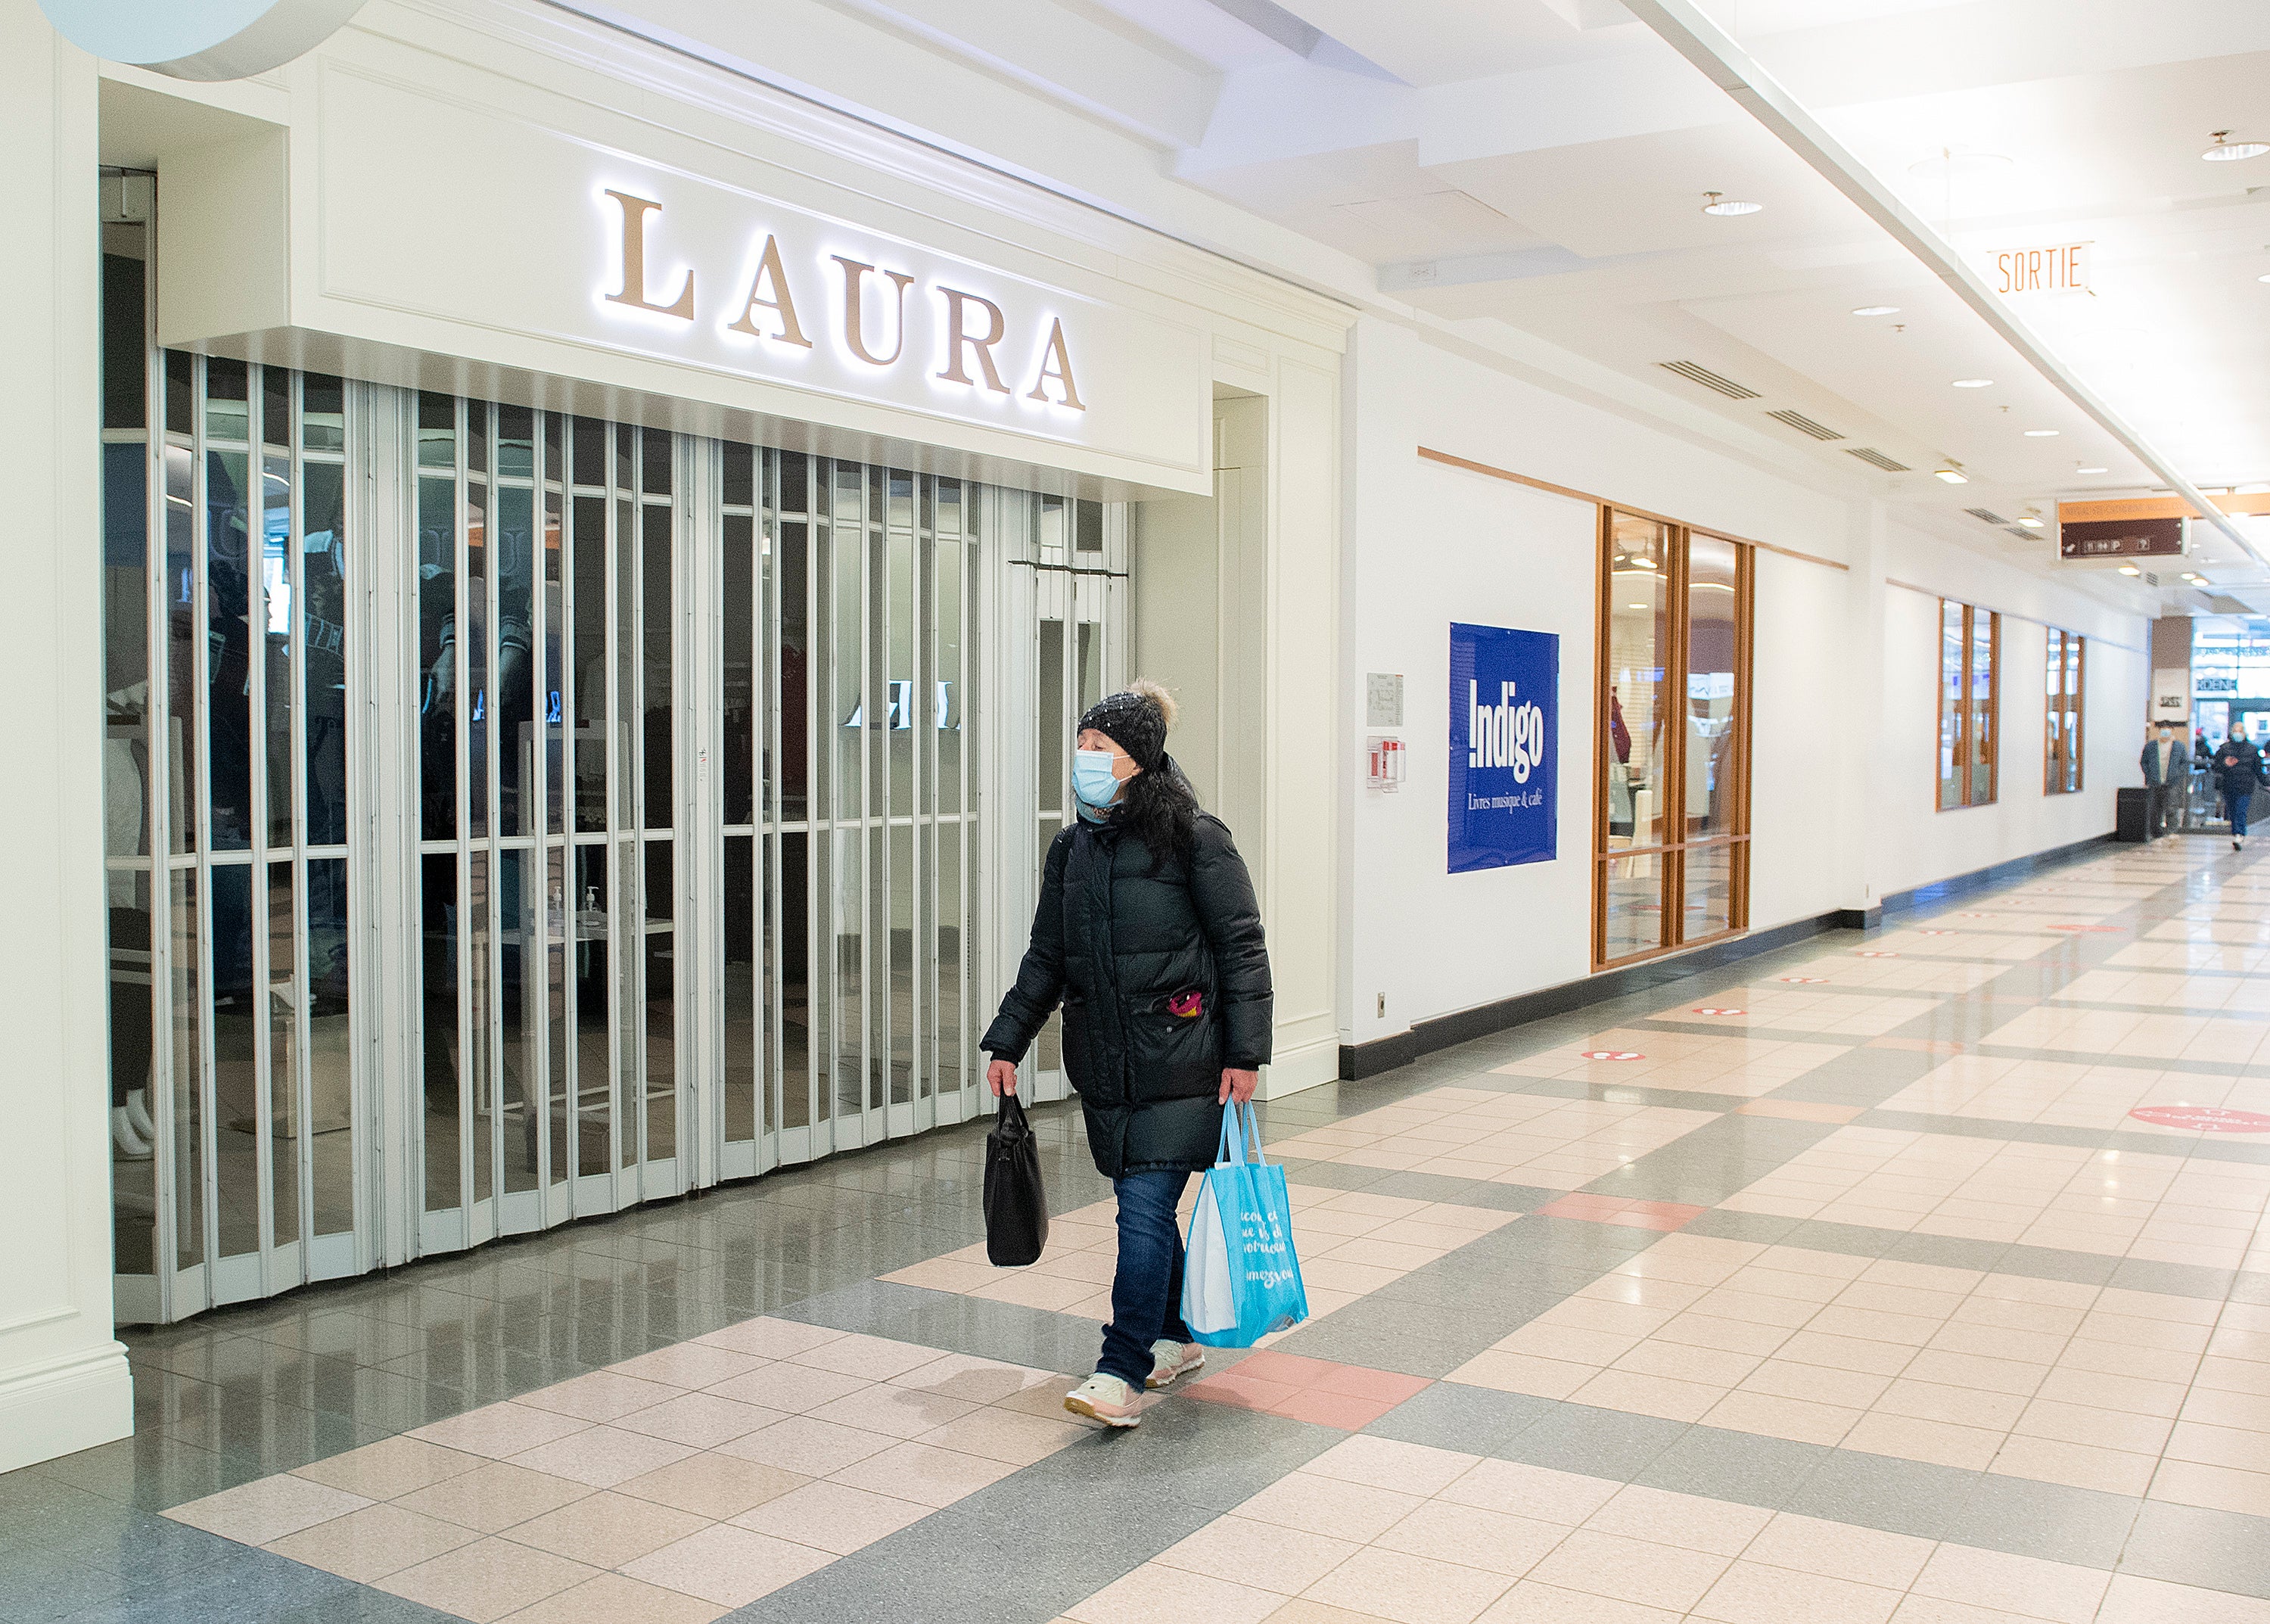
1136 720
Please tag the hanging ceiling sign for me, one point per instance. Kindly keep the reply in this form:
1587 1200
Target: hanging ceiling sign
2120 538
2056 268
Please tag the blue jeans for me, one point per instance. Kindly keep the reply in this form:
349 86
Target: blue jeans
2236 804
1147 1290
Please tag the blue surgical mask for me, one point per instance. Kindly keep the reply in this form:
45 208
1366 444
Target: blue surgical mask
1091 779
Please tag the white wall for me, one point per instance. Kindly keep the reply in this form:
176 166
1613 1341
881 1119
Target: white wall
63 1380
1916 844
1428 544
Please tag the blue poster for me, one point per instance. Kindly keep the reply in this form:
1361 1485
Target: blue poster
1505 721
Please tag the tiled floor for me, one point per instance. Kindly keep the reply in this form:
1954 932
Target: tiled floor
1839 1287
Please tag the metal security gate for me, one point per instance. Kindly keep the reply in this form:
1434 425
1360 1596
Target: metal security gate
514 816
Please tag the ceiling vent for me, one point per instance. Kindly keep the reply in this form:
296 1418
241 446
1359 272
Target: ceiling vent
1875 458
1710 380
1986 514
1805 424
2021 535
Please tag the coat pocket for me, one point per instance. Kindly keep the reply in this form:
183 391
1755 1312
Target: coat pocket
1176 1056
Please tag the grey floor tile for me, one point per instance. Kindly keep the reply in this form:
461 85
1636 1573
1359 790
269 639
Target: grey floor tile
2190 1545
1600 1443
1946 1251
1763 1228
1738 1466
2173 1280
1472 1420
1878 1491
2047 1520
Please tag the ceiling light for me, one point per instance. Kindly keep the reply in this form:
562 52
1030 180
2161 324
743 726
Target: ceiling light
2225 152
1720 203
1638 563
1974 383
1638 605
1895 309
2262 278
2041 434
2130 569
2030 523
2190 575
1951 474
2094 471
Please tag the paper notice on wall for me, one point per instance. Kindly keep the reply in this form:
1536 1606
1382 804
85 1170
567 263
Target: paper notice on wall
2172 694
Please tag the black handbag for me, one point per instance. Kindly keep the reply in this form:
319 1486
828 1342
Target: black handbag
1016 1205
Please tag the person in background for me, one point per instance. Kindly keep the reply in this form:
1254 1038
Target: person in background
2167 770
1148 933
2238 772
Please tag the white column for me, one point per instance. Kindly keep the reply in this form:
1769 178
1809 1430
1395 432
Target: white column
64 1379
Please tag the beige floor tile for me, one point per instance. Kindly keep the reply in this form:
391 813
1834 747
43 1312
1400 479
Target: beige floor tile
712 1485
874 1358
793 1389
1754 1593
1771 1416
615 1598
2077 1465
918 1472
2059 1591
268 1509
808 1446
487 1579
606 1530
1520 1373
1531 1602
602 1457
1258 1555
1006 1436
1499 1541
703 1420
689 1365
1408 1588
499 1430
601 1396
1840 1550
1565 1498
1964 1406
896 1412
1938 1442
1649 1395
832 1516
366 1546
766 1337
493 1497
2224 1488
1690 1521
729 1566
1625 1570
1388 1463
389 1467
2132 1599
1328 1506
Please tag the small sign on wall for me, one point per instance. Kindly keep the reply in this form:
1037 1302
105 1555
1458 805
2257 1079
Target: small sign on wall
1505 708
2172 694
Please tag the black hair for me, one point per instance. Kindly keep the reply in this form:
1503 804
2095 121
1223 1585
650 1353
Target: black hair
1162 810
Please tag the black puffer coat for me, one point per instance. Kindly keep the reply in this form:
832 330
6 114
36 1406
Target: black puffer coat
1116 943
2237 766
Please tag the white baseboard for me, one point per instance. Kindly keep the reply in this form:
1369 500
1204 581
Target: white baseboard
61 1405
1309 1066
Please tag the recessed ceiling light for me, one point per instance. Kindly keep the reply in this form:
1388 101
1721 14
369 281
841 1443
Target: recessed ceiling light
2094 471
2041 434
2130 569
1974 383
1720 203
2226 152
2030 523
1951 474
1895 309
1637 605
2262 278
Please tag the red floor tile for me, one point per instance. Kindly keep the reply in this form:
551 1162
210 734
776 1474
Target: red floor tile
1349 1396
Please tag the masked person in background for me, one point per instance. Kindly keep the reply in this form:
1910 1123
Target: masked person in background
2238 774
1148 933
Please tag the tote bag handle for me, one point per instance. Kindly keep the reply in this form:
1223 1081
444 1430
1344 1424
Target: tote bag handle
1239 1124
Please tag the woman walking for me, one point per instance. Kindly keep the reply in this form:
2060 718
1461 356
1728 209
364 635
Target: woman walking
2238 772
1148 933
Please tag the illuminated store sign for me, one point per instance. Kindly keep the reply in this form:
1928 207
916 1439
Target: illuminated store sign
2057 267
868 321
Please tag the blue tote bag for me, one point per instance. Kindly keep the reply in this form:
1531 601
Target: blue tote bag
1241 1276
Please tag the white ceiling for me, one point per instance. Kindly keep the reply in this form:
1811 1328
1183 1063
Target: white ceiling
1534 170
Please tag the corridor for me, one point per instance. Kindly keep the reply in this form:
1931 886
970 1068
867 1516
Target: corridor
1921 1276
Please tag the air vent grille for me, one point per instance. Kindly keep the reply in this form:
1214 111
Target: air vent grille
1987 514
2021 535
1710 380
1870 454
1805 424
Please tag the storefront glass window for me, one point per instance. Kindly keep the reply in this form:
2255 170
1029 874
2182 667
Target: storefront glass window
1671 859
1969 728
2065 667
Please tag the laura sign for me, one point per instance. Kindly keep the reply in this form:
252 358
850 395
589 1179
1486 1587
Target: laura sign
1504 745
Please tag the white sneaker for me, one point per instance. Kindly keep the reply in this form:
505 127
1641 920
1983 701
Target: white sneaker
131 1146
1104 1398
138 1115
1169 1359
